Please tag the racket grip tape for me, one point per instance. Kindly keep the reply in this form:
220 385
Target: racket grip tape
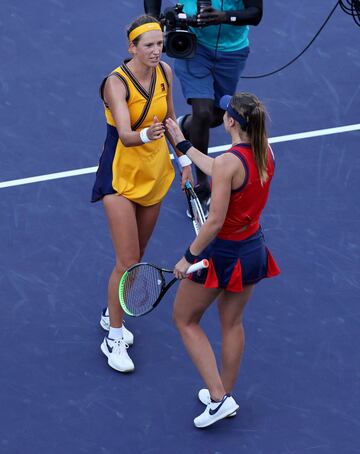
198 266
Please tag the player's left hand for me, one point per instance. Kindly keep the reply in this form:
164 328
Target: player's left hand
173 129
181 268
211 16
186 175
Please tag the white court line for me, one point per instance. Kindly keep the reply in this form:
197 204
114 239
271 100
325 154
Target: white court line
287 138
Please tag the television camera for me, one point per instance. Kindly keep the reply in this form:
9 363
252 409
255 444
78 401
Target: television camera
179 40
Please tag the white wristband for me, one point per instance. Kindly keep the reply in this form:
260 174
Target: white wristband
185 160
143 136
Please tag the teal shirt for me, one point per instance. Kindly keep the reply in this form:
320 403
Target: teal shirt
231 38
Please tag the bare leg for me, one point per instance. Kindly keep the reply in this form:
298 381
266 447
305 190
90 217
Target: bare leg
231 306
146 218
191 301
131 226
121 214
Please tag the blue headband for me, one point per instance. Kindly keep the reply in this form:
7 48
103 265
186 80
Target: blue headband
225 105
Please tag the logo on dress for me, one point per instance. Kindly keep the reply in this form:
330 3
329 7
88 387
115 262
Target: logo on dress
162 87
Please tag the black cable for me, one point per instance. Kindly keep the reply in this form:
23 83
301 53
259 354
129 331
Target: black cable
304 50
351 7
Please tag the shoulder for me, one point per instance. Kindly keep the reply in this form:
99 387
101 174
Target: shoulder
165 67
227 164
115 84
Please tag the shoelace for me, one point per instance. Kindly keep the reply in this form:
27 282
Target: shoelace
119 345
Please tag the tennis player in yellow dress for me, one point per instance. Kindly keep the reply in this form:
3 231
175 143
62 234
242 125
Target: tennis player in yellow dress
135 171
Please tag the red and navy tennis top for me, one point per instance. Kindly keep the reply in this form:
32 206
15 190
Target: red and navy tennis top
247 202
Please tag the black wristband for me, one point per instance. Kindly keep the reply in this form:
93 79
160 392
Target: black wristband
189 256
184 146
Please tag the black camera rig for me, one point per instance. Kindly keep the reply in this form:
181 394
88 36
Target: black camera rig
179 41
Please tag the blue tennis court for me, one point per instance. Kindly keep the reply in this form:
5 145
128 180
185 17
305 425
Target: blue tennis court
299 385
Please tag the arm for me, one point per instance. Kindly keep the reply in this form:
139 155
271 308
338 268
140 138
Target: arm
115 98
220 196
227 172
204 162
170 106
250 15
186 173
201 160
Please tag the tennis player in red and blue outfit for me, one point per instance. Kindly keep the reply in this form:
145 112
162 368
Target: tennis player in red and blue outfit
233 242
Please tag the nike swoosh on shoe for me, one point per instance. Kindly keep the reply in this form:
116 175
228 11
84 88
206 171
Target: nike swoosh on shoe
108 346
212 412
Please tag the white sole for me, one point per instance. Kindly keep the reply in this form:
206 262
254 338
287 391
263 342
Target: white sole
217 419
228 416
103 349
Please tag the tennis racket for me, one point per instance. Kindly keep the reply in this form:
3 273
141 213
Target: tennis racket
143 286
195 208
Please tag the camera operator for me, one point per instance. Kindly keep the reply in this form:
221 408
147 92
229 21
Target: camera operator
220 57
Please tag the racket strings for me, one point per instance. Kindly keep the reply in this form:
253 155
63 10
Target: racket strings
141 288
196 211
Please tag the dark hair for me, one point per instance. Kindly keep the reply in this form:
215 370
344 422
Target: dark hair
141 20
254 112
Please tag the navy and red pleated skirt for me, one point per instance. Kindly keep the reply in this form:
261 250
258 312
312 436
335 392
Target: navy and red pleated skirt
233 264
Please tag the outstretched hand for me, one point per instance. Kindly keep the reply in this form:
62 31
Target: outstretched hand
156 130
174 130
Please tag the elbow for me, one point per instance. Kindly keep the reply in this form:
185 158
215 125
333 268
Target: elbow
214 224
125 141
257 22
257 16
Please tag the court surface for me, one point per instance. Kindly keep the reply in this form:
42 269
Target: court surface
299 385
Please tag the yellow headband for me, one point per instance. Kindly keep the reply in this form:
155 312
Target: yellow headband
142 29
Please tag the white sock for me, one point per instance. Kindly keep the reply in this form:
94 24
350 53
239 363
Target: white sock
107 312
115 333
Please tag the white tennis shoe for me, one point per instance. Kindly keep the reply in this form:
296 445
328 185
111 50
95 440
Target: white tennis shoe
204 397
105 324
215 411
116 352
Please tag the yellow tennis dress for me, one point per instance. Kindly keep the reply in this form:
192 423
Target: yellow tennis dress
142 173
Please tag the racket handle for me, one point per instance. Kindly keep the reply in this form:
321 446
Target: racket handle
198 266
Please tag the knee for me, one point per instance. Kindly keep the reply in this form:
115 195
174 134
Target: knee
181 322
217 120
231 323
203 116
122 265
185 323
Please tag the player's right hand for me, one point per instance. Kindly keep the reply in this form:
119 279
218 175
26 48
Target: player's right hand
156 130
186 175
